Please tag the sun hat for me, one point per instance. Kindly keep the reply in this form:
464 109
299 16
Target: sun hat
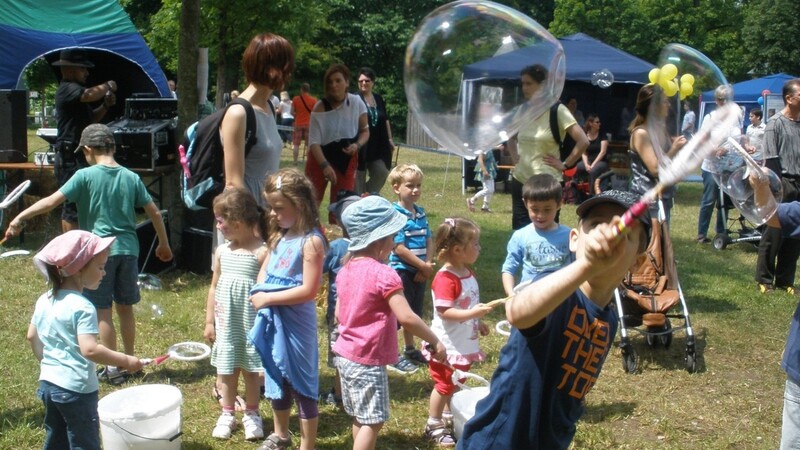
96 135
71 251
73 57
370 219
620 198
345 199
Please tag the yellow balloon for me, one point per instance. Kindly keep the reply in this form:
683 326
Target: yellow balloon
686 89
669 71
653 75
683 97
687 78
671 88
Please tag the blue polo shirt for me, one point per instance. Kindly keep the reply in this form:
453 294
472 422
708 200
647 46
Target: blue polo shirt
414 236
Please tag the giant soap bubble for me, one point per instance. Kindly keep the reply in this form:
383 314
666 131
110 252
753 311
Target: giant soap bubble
447 79
684 72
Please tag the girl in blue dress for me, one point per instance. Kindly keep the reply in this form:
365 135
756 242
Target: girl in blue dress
285 332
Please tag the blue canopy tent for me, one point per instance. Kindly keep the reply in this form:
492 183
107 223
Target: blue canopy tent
41 29
746 94
585 55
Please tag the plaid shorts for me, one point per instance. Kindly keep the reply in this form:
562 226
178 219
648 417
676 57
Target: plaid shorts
365 391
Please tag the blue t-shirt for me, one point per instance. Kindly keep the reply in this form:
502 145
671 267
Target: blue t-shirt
789 215
532 251
58 321
332 264
537 392
414 236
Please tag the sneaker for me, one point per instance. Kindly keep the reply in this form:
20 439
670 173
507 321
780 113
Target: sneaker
225 426
789 289
113 376
415 356
702 239
253 426
403 366
765 288
486 209
471 205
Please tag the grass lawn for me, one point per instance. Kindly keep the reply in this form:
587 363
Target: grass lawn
733 401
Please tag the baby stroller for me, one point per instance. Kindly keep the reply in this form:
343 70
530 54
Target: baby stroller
745 231
645 298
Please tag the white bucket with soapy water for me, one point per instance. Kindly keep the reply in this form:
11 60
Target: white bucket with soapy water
463 402
141 417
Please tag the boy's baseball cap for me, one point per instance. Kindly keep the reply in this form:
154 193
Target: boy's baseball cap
96 135
369 219
621 198
71 251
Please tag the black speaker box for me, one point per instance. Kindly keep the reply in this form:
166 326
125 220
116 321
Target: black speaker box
196 250
148 241
13 125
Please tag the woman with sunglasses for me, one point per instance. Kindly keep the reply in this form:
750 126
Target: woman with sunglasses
593 162
376 156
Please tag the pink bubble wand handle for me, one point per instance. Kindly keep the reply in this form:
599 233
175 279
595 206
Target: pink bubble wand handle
632 215
184 161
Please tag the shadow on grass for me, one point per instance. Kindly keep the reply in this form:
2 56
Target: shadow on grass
188 445
604 411
30 417
190 373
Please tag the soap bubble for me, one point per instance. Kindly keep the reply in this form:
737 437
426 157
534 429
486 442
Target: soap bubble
156 311
149 282
683 71
603 78
452 84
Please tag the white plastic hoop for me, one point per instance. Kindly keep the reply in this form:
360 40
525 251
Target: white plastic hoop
15 194
458 375
198 349
503 327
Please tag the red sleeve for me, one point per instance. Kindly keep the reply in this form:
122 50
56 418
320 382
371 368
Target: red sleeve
446 287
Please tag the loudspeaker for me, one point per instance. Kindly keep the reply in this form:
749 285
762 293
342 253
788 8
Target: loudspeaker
148 240
196 250
13 125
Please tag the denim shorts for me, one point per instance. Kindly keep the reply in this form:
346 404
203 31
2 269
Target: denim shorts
120 285
69 417
365 391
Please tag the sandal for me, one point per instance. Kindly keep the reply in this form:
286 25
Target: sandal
440 434
275 442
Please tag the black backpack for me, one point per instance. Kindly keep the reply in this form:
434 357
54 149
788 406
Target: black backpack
566 145
202 156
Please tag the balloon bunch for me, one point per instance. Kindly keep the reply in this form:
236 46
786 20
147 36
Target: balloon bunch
764 95
667 78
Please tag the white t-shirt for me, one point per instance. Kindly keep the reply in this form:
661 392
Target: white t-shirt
336 124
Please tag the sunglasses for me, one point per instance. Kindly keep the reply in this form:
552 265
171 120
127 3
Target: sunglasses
364 81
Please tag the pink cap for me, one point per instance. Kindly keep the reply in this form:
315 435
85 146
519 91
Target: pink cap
71 251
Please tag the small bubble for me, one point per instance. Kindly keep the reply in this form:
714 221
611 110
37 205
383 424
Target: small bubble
156 311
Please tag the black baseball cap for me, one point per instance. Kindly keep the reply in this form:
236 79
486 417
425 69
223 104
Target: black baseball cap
621 198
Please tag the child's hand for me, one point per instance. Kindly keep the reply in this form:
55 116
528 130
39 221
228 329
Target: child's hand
210 333
602 247
480 310
483 329
133 364
163 252
440 353
424 273
259 300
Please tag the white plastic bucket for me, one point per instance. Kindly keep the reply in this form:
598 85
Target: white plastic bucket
463 402
141 417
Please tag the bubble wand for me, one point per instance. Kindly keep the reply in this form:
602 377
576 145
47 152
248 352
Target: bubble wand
714 131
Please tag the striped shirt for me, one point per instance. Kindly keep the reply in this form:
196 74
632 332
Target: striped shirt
414 236
782 140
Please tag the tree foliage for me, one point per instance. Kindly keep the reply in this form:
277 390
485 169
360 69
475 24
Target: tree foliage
771 36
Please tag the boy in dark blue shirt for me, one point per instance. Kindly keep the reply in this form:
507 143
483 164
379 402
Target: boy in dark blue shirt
563 332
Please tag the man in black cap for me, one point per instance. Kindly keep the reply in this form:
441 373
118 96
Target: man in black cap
75 111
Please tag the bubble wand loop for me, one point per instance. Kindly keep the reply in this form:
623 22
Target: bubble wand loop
714 131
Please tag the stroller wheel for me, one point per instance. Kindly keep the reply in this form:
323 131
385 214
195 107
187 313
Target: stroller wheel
721 241
630 360
650 335
691 362
666 339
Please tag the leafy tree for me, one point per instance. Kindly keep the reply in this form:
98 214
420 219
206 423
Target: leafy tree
771 35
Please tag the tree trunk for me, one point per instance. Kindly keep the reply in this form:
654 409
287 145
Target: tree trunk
187 65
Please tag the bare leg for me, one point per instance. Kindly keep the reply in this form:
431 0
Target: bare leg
127 327
295 152
227 388
280 419
108 336
68 226
437 404
252 387
308 433
408 338
365 436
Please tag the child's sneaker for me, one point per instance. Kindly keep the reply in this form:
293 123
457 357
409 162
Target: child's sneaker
225 426
253 426
415 356
403 366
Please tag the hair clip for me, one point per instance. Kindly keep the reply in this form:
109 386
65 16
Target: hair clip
278 183
450 222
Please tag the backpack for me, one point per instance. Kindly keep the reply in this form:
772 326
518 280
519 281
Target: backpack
202 156
566 145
